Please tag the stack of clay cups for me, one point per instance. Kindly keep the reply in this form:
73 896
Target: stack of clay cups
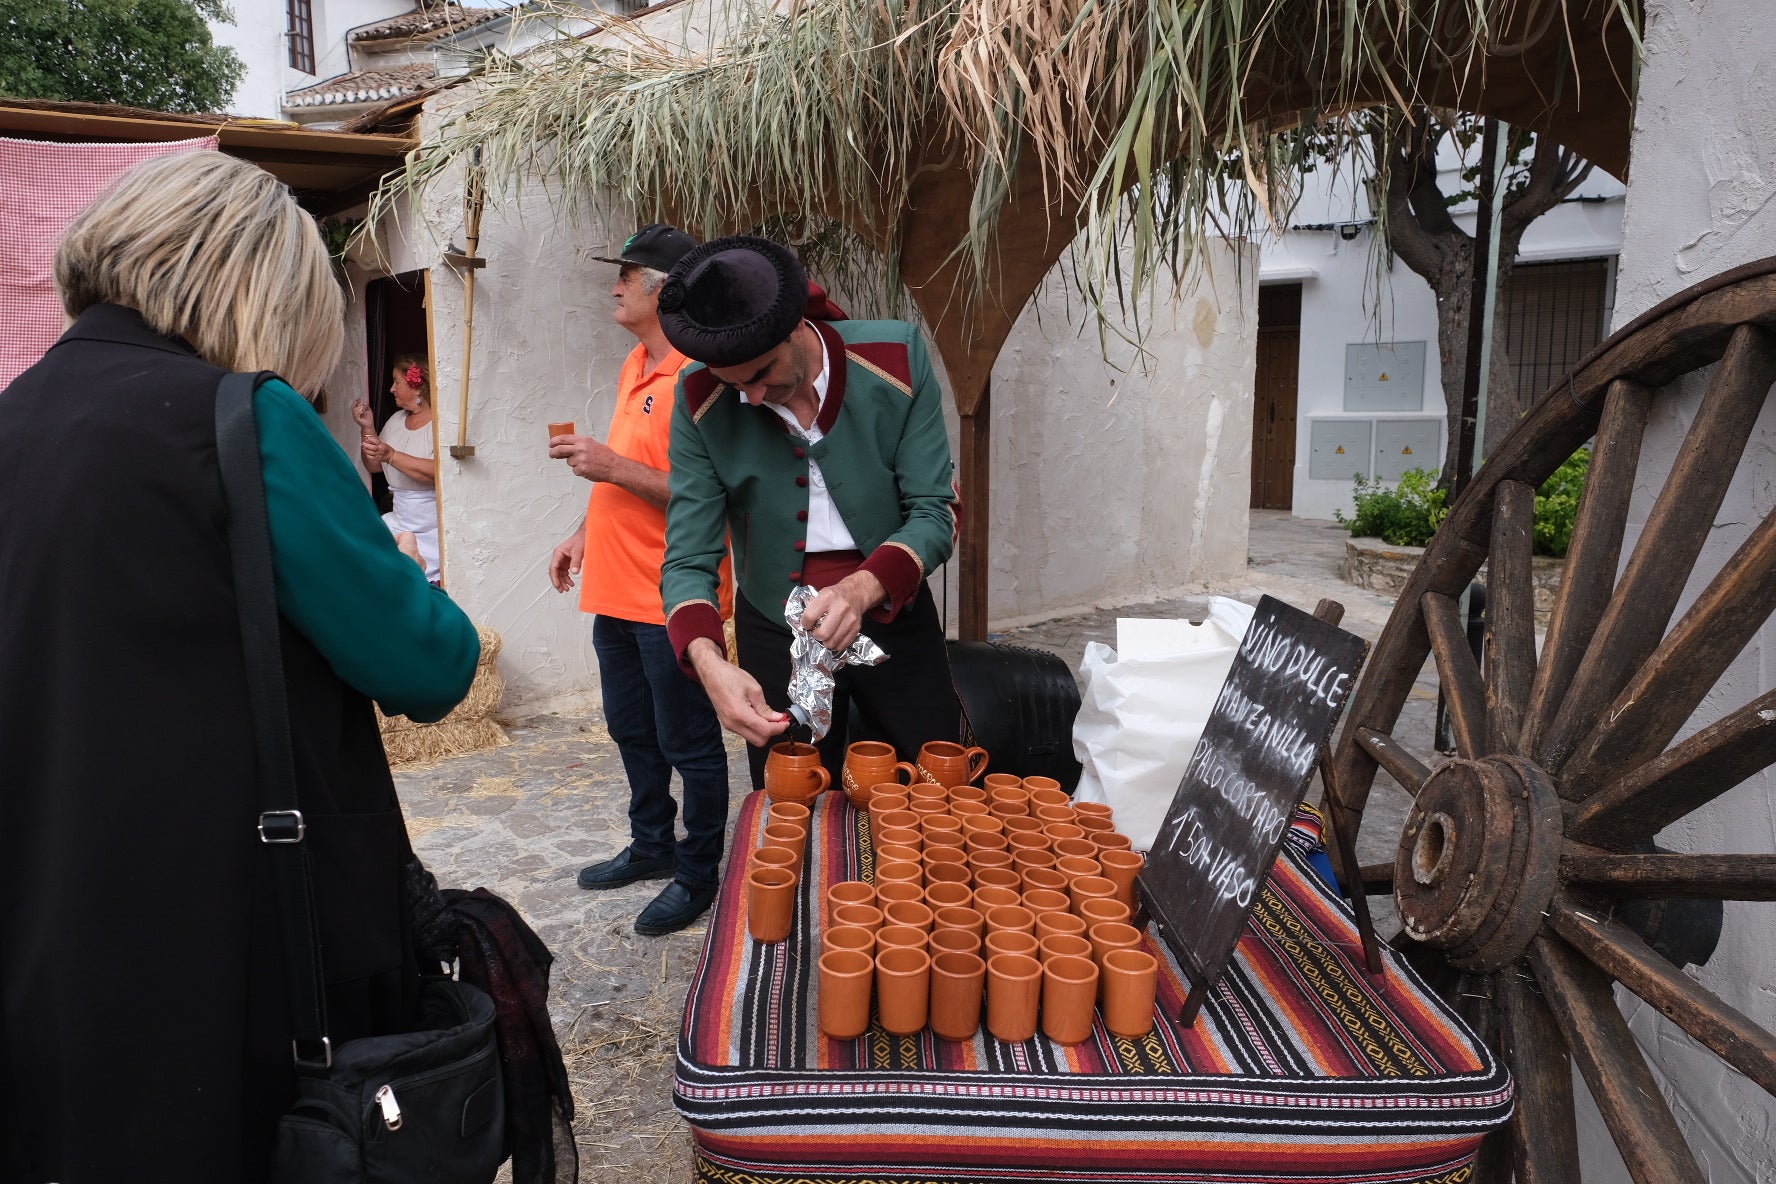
774 869
1007 894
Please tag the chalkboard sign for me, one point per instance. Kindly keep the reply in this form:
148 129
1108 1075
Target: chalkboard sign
1249 772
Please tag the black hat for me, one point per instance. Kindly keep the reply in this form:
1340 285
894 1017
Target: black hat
732 299
655 245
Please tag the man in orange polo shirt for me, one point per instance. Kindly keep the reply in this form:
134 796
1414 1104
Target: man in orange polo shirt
659 718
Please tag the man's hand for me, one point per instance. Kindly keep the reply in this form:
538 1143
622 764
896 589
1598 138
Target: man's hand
564 564
834 617
585 456
738 700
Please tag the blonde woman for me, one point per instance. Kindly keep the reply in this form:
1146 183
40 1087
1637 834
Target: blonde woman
143 1021
403 453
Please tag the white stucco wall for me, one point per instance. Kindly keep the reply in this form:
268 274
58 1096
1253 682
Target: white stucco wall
257 35
1703 199
1343 301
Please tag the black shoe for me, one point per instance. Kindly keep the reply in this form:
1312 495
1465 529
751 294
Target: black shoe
677 906
626 869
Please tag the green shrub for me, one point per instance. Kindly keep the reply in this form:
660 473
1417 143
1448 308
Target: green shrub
1408 514
1404 516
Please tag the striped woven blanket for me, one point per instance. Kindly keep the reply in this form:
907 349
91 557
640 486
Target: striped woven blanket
1300 1067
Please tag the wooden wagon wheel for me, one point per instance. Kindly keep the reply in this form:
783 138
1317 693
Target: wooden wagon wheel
1518 854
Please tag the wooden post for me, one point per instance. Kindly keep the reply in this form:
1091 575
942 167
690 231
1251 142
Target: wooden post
976 477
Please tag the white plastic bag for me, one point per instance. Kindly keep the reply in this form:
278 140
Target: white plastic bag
1144 707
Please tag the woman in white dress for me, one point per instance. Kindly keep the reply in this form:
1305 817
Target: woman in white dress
404 454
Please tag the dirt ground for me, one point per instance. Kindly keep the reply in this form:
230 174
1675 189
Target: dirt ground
523 819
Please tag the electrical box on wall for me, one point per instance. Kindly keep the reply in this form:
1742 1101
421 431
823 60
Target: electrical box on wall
1402 444
1387 376
1338 449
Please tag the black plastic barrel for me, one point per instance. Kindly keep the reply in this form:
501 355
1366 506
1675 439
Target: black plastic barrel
1019 704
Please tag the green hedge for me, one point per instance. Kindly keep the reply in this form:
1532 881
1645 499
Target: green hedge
1408 514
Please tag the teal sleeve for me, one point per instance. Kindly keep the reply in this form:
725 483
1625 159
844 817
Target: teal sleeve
696 518
342 582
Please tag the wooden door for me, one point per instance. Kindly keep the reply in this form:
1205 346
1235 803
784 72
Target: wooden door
1273 408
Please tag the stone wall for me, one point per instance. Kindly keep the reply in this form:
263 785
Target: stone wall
1384 568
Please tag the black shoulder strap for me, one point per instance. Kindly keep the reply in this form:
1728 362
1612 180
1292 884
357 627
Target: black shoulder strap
281 825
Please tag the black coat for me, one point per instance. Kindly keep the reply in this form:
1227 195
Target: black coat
143 1031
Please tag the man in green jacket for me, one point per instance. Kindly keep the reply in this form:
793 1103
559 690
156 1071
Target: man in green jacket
818 448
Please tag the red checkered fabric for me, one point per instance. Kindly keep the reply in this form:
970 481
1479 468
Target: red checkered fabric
43 188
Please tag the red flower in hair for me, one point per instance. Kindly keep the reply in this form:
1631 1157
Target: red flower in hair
415 374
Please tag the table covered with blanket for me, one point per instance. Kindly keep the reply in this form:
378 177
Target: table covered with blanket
1300 1067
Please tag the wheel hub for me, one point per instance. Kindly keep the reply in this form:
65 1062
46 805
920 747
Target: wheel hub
1478 860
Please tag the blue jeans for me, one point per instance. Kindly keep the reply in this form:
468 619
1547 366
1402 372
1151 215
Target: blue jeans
661 721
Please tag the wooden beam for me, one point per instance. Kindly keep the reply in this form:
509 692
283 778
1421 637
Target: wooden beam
975 463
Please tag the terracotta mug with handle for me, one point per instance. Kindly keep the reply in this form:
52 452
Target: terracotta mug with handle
869 763
947 763
793 773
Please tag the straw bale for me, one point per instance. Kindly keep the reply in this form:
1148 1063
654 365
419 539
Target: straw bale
468 728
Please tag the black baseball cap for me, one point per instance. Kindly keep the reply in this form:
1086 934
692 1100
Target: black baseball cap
655 245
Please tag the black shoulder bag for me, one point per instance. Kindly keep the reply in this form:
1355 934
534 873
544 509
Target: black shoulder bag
426 1105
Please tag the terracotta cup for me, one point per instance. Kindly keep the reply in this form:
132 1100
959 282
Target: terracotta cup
927 806
983 840
1129 981
1046 791
850 892
912 913
1014 996
788 836
1010 941
794 813
960 809
1063 945
908 873
990 896
1059 831
894 820
957 982
899 836
943 894
1051 814
848 937
960 941
994 781
1016 823
889 853
945 838
1094 810
934 857
1010 916
946 763
1069 996
1048 924
887 894
942 824
1009 799
881 803
869 763
793 773
1045 878
1023 840
1082 847
903 989
1109 840
1093 825
770 903
959 874
996 877
781 857
1075 866
1024 862
974 824
1106 936
864 916
565 428
1046 900
973 794
1121 868
1087 887
959 916
928 791
846 979
1101 909
900 935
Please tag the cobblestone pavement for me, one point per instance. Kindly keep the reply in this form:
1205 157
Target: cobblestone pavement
523 819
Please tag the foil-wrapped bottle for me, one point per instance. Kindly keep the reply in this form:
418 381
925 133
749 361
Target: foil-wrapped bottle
813 668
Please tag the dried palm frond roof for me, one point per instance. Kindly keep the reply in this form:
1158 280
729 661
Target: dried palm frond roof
970 142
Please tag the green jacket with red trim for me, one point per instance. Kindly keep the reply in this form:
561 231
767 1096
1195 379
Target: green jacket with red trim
738 473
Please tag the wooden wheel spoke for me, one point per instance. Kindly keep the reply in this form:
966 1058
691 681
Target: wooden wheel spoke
1686 666
1596 551
1459 673
1620 1082
1377 878
1405 768
1706 765
1620 953
1641 606
1510 616
1547 1149
1716 877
